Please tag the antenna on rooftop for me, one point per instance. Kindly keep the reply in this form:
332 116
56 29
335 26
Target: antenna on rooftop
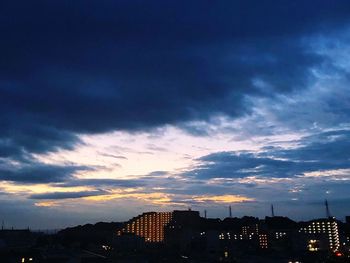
230 211
272 211
327 209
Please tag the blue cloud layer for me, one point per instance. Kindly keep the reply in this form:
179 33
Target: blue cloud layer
93 67
38 173
320 152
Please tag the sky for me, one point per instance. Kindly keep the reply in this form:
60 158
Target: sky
109 109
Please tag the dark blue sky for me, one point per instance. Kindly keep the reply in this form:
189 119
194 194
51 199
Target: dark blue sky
173 104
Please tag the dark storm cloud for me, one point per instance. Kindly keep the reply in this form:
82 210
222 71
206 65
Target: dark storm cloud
71 67
324 151
19 138
37 173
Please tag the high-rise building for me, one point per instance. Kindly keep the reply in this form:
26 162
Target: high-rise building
183 229
250 230
149 226
321 234
263 241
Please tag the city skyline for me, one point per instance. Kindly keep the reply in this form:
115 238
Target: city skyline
109 110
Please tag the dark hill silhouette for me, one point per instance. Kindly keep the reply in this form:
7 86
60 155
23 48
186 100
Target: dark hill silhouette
83 235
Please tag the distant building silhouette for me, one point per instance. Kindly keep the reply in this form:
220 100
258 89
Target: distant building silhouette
185 233
183 228
347 219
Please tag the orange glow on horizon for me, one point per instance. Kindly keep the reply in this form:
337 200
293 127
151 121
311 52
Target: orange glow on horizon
223 199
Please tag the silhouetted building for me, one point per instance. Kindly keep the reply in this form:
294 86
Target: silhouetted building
282 233
183 229
347 219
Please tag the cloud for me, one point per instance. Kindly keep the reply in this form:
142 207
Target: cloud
151 179
37 173
222 199
329 149
114 156
66 195
90 68
157 174
320 152
74 182
237 165
19 138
